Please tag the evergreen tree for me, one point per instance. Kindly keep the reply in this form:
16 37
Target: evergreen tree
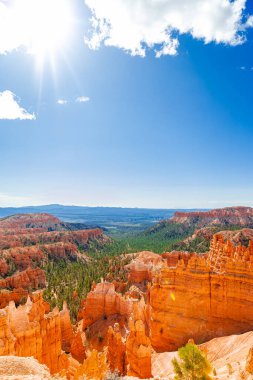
192 365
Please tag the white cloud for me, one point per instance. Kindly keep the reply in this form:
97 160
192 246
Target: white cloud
62 101
82 99
7 200
135 25
10 109
249 22
36 26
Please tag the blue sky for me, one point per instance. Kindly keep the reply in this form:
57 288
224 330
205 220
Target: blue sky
174 131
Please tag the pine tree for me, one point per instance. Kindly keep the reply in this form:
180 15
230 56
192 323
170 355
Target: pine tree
193 365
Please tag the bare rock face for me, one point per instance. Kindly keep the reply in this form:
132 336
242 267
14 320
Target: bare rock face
43 221
28 279
172 258
29 241
15 295
203 299
249 362
81 238
138 351
103 302
29 331
94 367
77 347
240 216
67 333
141 266
116 354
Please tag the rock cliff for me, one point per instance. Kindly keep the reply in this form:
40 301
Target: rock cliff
239 216
205 298
29 331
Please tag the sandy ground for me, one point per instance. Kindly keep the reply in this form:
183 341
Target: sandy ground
17 368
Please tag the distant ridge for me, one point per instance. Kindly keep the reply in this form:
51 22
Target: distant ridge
240 216
117 219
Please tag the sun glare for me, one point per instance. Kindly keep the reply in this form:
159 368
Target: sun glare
44 25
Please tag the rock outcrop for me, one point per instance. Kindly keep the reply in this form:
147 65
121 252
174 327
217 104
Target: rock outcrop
28 242
116 354
138 351
205 298
140 268
29 331
27 279
103 302
239 216
95 367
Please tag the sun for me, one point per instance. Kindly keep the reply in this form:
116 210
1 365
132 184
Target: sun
44 25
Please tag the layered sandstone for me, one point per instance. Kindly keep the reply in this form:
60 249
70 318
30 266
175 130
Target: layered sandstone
140 268
27 279
239 216
138 350
15 295
95 367
27 242
116 354
103 302
81 238
43 221
30 331
203 298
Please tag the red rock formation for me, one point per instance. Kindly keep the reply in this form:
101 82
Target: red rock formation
103 302
4 267
173 257
195 300
77 347
94 367
240 216
81 238
29 331
66 329
16 295
28 279
141 266
138 351
43 221
116 354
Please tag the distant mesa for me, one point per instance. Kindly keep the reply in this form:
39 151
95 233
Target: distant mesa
240 216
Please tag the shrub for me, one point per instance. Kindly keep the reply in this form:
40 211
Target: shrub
193 365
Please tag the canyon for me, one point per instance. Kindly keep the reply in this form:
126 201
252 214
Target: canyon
28 242
134 327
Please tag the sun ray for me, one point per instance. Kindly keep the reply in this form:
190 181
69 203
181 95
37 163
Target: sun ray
45 26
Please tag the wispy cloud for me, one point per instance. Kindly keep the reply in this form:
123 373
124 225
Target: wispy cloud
246 68
10 108
249 22
82 99
136 26
62 101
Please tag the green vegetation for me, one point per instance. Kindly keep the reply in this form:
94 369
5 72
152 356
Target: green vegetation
201 244
71 281
160 238
192 364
